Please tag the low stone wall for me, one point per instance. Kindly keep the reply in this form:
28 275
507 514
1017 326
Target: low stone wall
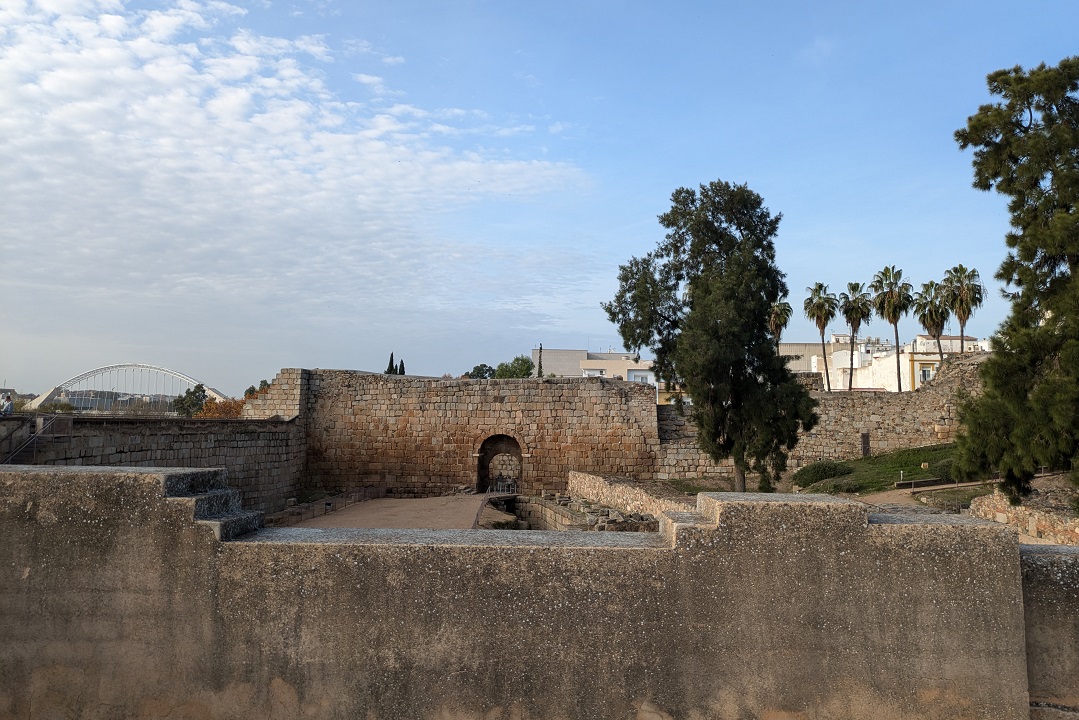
562 513
114 601
263 459
1054 527
626 494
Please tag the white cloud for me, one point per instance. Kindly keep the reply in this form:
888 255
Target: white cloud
165 170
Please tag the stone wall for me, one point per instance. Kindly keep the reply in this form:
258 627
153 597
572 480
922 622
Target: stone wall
423 436
893 421
263 459
1054 527
115 602
626 494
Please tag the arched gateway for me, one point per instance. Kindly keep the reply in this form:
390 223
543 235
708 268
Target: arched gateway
498 466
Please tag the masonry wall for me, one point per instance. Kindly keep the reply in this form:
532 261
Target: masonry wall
421 436
1055 527
263 459
892 421
113 602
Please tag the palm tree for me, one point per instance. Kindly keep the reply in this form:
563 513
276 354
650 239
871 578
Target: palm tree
780 316
856 306
931 309
892 299
820 307
963 293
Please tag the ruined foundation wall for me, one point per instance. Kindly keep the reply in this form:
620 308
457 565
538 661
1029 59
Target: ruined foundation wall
1056 527
112 602
625 494
263 459
423 436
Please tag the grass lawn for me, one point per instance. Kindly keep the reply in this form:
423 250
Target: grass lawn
881 472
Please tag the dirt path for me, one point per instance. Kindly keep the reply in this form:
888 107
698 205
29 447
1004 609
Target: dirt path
454 512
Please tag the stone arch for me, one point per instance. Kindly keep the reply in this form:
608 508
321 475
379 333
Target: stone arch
498 456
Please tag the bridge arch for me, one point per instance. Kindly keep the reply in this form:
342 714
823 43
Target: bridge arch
499 464
130 379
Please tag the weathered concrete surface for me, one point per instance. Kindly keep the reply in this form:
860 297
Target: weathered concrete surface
115 603
1051 603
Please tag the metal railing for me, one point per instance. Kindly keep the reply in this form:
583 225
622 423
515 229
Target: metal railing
44 423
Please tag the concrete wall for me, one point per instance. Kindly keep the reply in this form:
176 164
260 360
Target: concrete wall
1051 607
115 603
264 459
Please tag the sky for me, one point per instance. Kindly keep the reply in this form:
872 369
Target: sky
228 188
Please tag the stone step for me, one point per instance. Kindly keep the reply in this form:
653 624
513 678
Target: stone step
216 503
194 482
234 525
681 527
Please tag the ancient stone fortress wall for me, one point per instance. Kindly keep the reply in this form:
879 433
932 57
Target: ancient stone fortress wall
263 459
422 436
892 421
115 601
879 421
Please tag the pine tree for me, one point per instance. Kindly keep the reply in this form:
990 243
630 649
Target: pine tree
1026 147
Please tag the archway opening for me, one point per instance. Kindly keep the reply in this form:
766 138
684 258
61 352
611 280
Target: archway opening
499 465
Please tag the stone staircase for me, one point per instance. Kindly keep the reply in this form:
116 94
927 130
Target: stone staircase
212 502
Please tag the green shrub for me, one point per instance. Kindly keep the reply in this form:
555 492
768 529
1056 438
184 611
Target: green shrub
942 469
818 471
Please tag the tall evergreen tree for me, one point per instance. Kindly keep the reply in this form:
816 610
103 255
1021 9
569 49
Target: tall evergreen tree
963 294
820 307
856 307
702 301
401 368
892 300
1026 147
931 309
391 368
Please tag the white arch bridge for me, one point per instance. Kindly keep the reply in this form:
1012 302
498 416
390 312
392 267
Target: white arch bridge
130 388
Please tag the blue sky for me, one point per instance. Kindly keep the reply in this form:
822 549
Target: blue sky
229 188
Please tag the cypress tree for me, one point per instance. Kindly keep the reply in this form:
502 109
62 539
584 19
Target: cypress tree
703 302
